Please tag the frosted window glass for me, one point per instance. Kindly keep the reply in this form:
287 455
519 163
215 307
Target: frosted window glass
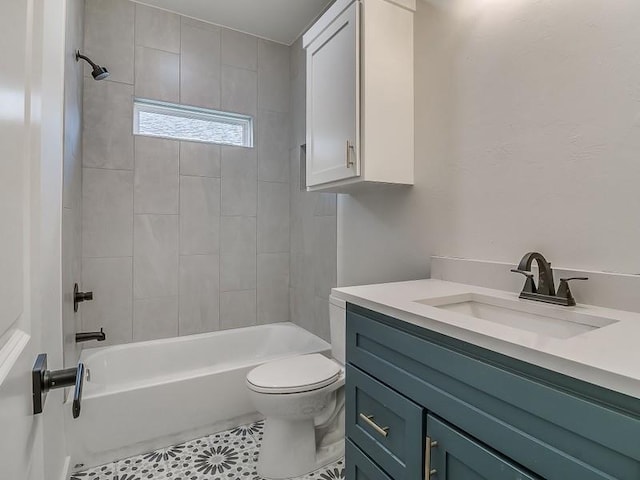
190 123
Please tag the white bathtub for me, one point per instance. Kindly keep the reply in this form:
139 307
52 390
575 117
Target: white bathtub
141 396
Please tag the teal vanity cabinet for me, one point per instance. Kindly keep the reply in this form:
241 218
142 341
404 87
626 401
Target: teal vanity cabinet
420 405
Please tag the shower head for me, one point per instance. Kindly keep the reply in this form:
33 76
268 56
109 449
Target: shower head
98 73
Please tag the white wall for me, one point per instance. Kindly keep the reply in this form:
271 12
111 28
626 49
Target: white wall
527 138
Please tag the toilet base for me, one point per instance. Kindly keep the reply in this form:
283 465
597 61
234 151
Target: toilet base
289 449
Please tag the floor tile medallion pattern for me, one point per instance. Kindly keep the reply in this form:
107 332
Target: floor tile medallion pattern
227 455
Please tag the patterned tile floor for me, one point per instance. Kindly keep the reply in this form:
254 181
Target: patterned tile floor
227 455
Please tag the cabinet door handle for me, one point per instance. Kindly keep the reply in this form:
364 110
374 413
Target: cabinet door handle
384 431
428 471
350 147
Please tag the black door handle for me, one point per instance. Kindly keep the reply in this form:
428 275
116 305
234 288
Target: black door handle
77 391
44 380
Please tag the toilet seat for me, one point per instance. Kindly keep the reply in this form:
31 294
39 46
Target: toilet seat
294 375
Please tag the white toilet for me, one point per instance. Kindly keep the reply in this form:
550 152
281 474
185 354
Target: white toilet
302 399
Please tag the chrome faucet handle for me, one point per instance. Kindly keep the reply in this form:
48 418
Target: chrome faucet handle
565 292
529 285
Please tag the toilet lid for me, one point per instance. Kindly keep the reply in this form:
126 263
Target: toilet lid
294 375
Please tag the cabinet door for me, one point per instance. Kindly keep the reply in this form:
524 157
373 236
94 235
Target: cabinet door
451 455
360 467
333 101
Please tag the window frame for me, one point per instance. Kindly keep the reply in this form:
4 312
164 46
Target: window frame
197 113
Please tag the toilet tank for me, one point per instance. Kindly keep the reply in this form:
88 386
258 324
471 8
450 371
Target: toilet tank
338 326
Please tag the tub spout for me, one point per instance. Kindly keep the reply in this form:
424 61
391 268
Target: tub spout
86 336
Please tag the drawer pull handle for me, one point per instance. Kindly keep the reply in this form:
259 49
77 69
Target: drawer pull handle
384 431
428 471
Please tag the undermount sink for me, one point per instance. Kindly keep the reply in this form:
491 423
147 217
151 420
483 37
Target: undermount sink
548 320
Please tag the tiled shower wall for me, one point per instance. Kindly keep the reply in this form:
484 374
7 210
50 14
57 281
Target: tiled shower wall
72 179
313 223
180 237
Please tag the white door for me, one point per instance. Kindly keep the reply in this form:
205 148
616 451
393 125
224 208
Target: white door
31 447
333 91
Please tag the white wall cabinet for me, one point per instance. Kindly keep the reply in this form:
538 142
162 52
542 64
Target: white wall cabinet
360 96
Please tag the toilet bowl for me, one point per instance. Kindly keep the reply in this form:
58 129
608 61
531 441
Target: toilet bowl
302 400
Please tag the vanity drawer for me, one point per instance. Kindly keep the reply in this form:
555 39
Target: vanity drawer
360 467
540 419
385 425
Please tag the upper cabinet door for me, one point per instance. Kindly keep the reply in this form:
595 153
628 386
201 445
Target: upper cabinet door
333 95
454 456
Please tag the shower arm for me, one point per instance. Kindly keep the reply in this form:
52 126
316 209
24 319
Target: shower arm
86 59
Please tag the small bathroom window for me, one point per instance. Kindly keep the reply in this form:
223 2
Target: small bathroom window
182 122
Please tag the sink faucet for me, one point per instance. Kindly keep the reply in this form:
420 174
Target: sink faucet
545 290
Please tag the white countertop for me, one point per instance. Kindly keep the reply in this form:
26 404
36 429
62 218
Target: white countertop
607 356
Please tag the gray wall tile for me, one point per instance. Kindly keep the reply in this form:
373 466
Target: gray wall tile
199 215
200 65
157 75
199 159
108 39
156 175
273 76
273 217
156 28
239 181
326 205
107 213
195 204
192 22
325 255
71 274
273 287
239 49
155 256
239 90
321 325
238 235
155 318
239 195
239 162
72 180
107 137
237 309
73 93
297 60
199 294
273 146
303 312
110 279
313 224
298 87
237 272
